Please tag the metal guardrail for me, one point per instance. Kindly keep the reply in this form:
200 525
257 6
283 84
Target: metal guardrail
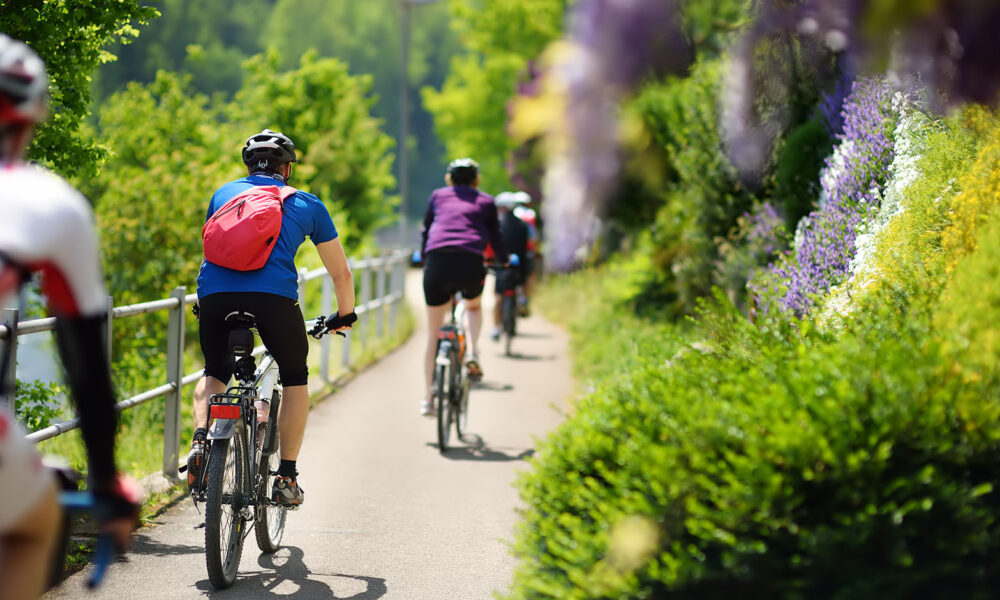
388 272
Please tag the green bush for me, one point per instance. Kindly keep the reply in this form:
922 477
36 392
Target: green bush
774 466
796 174
703 197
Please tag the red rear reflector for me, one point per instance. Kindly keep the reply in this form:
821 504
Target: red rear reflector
225 411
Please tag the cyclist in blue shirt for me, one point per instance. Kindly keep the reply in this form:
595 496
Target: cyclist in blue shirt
271 295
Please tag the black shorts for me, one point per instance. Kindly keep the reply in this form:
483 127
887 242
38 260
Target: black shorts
449 271
280 325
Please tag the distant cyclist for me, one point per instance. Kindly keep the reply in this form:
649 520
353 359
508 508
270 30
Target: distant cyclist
270 293
459 222
516 236
47 227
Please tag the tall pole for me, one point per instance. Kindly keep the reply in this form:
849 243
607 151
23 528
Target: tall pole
404 122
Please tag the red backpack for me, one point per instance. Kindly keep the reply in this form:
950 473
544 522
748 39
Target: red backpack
241 234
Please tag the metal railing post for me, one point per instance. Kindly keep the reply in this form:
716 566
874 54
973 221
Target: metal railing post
110 331
324 344
393 288
380 294
366 296
9 371
175 374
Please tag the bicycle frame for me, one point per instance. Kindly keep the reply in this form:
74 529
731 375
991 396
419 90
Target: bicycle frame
236 408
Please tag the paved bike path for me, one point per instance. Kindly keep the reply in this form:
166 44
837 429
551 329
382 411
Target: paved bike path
385 516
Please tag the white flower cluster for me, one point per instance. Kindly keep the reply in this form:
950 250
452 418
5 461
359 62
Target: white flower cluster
909 143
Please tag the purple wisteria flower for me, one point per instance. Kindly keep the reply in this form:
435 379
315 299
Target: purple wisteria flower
616 43
947 48
851 190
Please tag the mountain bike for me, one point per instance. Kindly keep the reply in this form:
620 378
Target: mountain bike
450 383
242 457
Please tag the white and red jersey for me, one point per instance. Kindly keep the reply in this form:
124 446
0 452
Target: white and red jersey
24 479
48 226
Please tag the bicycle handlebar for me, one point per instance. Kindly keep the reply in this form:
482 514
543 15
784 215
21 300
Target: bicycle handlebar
105 553
324 324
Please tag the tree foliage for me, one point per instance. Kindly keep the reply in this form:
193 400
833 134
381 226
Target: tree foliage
210 40
500 37
71 37
345 156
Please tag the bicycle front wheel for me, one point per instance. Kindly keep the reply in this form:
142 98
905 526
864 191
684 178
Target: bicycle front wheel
224 522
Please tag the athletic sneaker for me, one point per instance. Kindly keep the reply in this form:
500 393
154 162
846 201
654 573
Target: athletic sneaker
428 409
472 364
495 335
196 465
286 491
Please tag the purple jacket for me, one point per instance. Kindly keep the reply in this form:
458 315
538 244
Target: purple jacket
463 218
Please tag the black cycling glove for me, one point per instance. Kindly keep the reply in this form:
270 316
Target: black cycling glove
339 320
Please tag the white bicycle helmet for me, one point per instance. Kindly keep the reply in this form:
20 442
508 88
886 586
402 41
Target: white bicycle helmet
23 83
511 199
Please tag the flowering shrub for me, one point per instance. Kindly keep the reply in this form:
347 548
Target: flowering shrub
851 191
981 190
760 234
864 269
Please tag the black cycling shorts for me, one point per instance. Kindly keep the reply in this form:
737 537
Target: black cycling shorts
280 325
449 271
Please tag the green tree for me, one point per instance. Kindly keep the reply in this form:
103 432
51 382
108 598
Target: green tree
366 35
170 150
71 37
470 109
208 40
346 158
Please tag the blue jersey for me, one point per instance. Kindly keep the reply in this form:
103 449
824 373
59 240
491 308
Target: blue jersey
304 216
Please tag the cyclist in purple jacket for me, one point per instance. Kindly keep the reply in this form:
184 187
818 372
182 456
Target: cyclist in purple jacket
459 222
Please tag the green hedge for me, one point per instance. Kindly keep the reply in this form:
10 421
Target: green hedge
779 466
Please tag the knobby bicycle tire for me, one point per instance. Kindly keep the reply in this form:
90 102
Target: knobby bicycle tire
269 525
222 509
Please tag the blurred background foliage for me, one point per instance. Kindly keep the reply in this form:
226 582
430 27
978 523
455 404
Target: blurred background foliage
727 442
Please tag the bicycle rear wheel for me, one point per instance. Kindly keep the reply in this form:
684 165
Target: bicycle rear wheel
269 525
224 524
508 316
441 393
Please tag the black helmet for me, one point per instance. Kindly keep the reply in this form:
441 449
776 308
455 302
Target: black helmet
463 171
268 149
23 83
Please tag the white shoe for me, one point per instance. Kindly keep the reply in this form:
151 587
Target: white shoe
427 408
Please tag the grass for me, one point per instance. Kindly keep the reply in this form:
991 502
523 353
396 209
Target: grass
607 337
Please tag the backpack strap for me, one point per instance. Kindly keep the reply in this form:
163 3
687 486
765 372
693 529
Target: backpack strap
283 193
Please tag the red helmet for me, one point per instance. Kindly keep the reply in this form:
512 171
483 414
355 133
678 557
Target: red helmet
23 83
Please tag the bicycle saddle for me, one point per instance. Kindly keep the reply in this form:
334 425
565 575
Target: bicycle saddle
240 337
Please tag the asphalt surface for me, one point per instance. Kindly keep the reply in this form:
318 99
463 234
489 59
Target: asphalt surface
386 516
